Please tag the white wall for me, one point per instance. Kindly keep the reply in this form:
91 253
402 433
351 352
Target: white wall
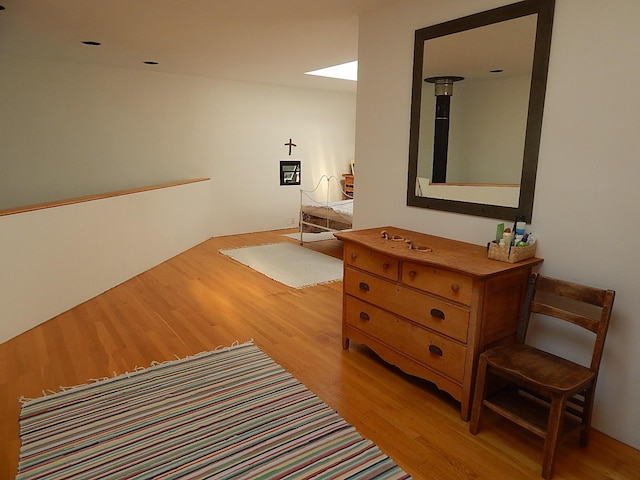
70 130
587 191
56 258
249 132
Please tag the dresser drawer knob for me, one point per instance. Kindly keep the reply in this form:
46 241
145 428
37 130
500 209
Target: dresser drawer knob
412 273
364 286
385 266
353 256
364 316
455 287
435 350
437 313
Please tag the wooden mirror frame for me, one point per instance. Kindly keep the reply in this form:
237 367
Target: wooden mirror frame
544 9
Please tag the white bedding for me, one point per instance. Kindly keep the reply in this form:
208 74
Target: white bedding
324 216
344 207
341 211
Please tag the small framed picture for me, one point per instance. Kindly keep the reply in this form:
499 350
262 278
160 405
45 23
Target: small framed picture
289 172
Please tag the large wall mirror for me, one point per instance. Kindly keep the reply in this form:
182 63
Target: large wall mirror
476 112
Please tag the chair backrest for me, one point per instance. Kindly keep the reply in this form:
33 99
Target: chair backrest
581 305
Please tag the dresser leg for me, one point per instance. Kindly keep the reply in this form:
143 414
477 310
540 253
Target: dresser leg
465 411
345 343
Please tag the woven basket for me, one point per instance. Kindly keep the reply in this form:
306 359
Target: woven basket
517 254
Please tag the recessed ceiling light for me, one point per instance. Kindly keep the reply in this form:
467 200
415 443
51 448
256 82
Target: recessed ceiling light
345 71
92 43
150 62
496 70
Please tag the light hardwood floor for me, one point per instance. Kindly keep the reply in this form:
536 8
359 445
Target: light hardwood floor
202 299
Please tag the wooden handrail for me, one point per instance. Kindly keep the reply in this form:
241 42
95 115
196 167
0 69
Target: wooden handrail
99 196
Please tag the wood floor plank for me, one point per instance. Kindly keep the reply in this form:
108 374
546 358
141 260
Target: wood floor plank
201 299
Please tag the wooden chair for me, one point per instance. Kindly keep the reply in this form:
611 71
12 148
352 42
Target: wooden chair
542 392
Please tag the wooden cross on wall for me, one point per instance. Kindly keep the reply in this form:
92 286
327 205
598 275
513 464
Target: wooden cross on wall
290 144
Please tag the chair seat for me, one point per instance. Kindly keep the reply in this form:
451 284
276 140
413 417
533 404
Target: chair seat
539 367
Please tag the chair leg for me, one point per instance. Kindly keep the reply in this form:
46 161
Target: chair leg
478 398
554 429
587 411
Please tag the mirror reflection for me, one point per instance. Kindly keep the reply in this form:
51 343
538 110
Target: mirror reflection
478 95
488 97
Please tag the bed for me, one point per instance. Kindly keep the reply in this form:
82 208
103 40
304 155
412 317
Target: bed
319 215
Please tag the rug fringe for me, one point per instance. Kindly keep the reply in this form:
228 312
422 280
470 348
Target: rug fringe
46 393
222 250
319 283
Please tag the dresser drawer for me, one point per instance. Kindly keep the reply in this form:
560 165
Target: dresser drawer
366 259
452 285
427 310
424 346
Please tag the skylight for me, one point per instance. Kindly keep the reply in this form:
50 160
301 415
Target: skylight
345 71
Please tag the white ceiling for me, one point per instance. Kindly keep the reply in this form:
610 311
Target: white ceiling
480 50
268 41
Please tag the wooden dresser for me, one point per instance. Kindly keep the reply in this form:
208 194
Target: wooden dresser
348 184
430 310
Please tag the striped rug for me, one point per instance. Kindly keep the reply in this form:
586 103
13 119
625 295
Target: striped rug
229 414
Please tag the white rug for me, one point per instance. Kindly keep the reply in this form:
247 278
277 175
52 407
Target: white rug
293 265
308 237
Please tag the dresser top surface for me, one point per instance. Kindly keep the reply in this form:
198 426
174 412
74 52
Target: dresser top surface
432 250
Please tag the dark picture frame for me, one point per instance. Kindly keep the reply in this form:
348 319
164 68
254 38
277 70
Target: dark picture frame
289 172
